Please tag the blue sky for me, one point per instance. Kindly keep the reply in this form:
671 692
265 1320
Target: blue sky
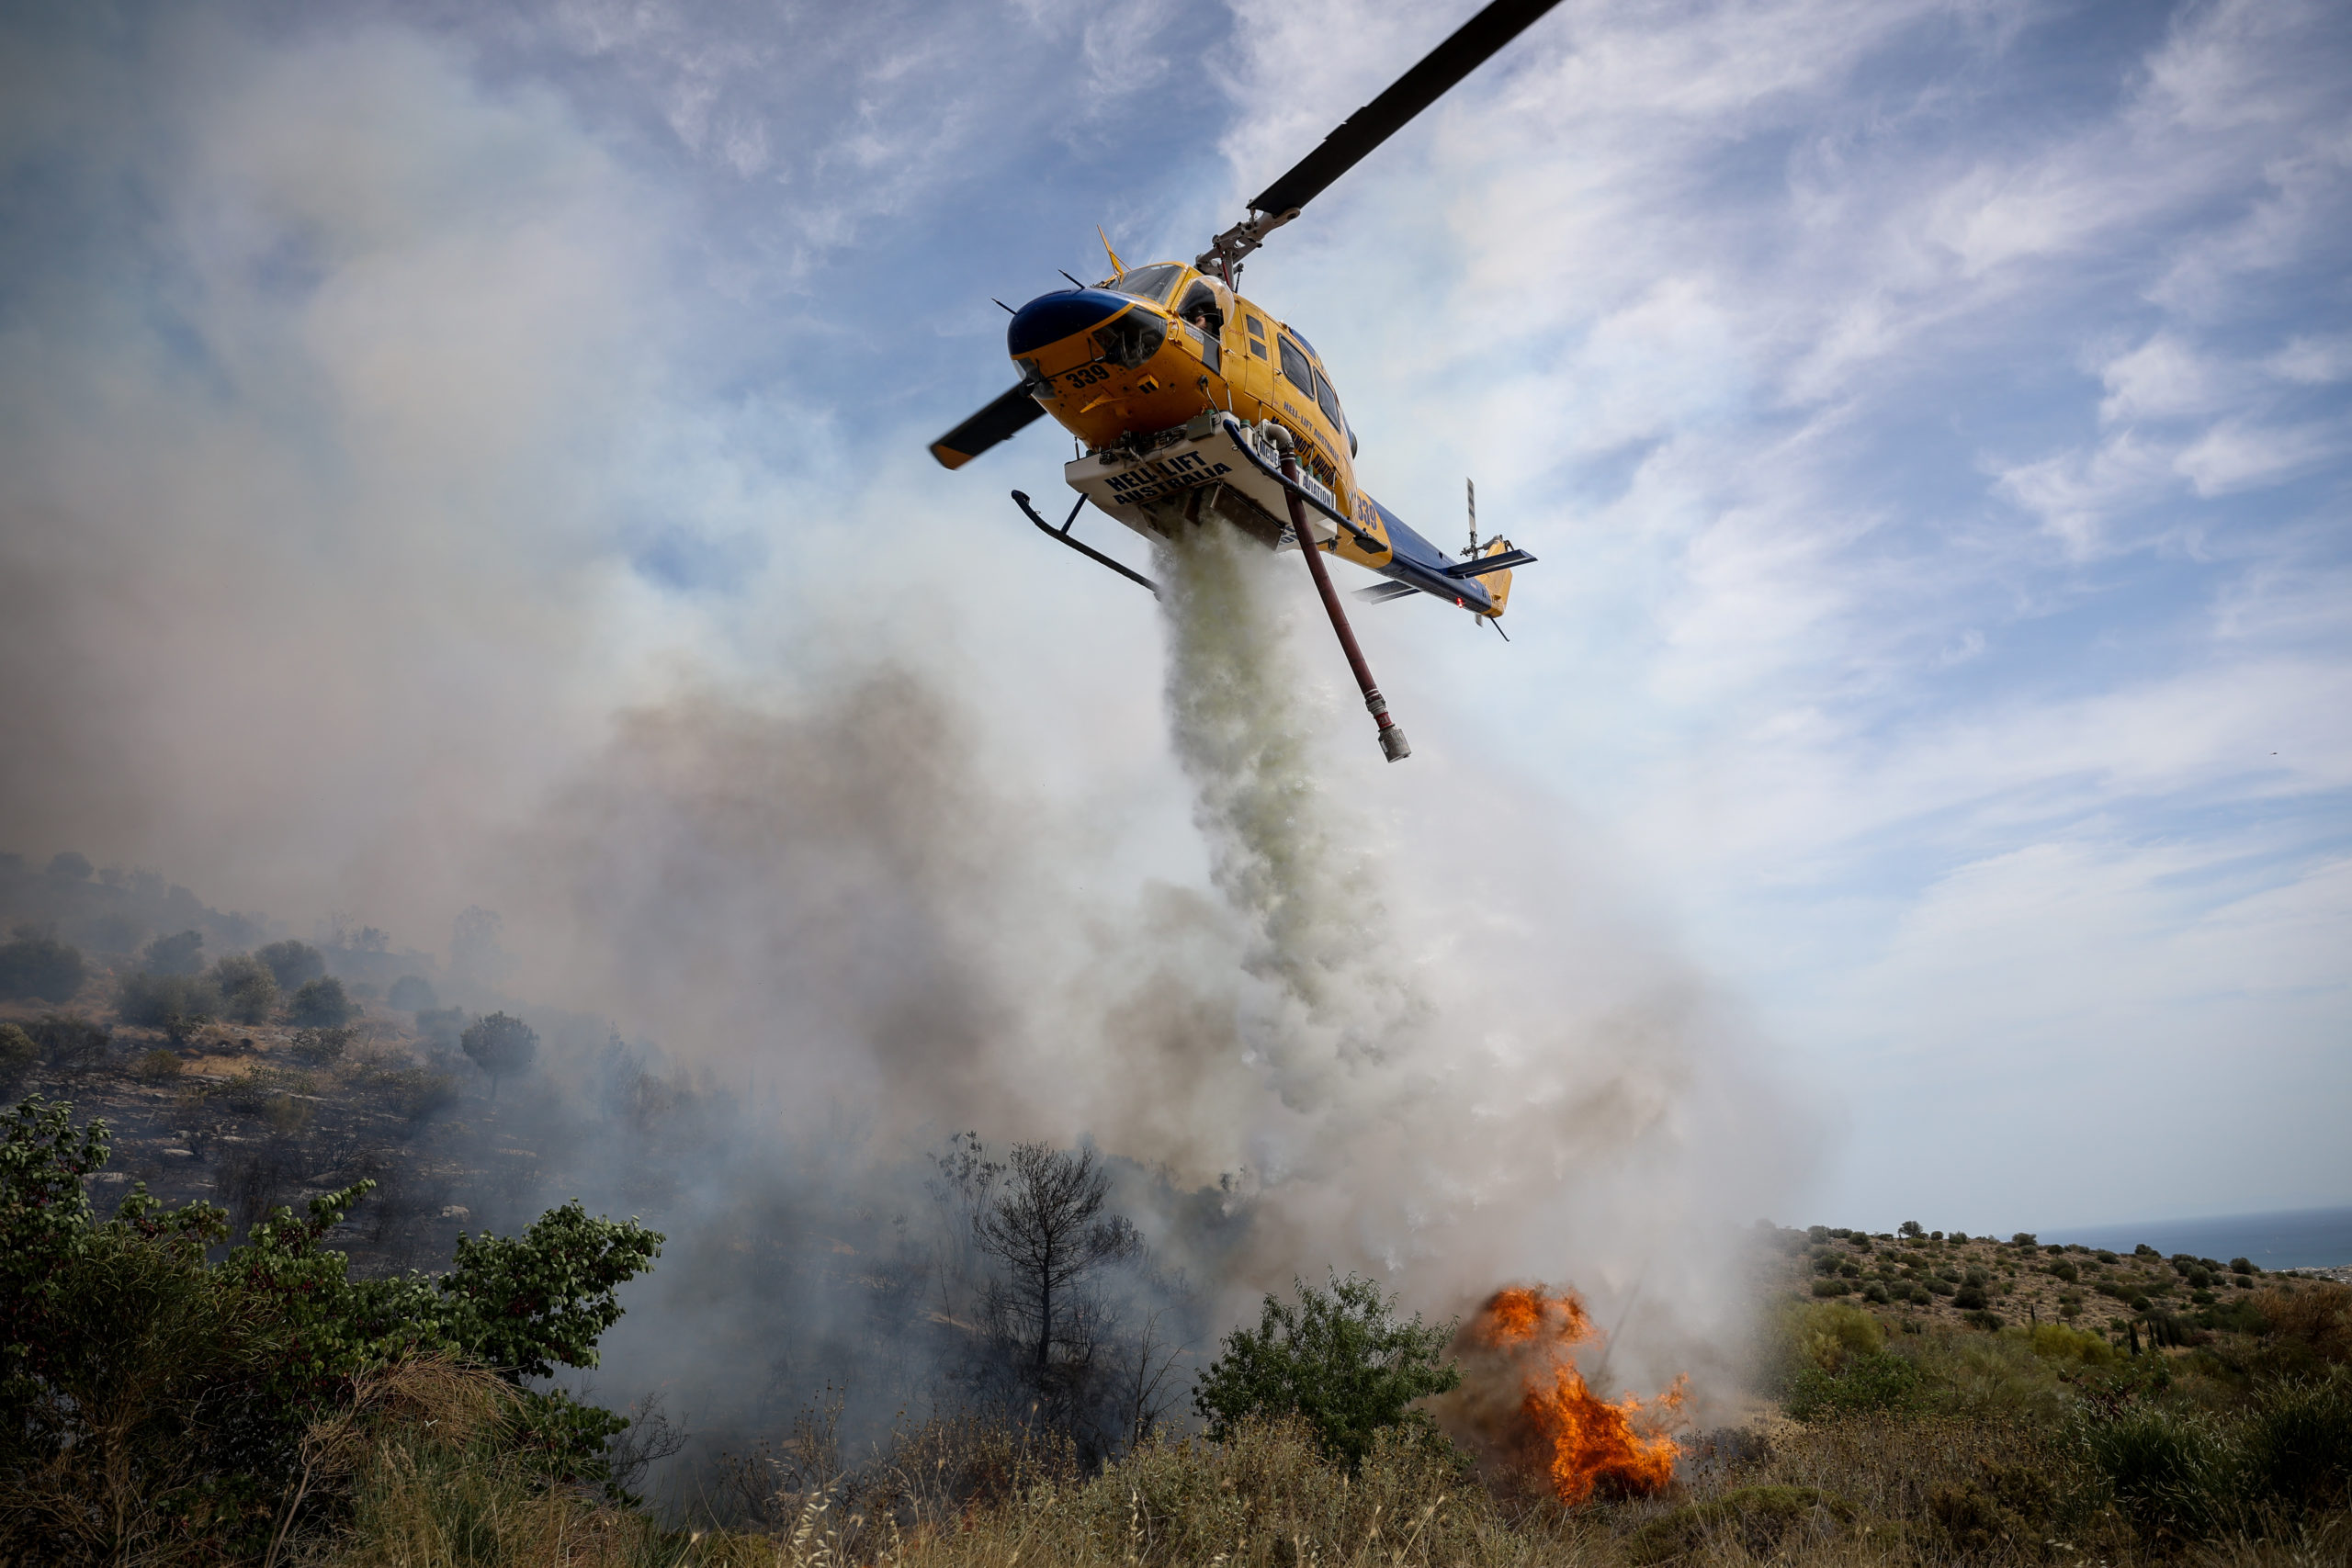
1932 420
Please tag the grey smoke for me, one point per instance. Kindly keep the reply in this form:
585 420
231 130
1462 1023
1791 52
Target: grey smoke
313 596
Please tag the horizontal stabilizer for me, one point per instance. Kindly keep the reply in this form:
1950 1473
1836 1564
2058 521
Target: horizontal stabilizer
1007 415
1381 593
1485 564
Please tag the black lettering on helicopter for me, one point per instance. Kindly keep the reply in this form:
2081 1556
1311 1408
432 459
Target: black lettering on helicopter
1137 484
1084 376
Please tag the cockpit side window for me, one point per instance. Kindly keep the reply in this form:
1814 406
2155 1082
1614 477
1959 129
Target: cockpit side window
1330 401
1154 283
1200 307
1295 370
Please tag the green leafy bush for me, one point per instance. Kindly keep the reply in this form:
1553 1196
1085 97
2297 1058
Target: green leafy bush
158 1065
35 966
293 964
176 1004
248 992
412 993
500 1045
1340 1359
321 1004
17 1054
69 1042
1878 1380
148 1395
1833 1285
179 954
321 1047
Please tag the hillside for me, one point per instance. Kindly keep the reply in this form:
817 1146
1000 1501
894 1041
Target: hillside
1925 1398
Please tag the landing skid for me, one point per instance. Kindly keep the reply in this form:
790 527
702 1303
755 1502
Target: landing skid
1089 552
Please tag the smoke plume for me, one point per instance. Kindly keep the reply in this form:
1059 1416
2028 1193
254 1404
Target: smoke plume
320 594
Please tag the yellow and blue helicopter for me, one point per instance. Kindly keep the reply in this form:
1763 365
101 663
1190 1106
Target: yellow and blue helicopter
1191 401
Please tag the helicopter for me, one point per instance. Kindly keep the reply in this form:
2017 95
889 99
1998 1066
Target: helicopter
1189 401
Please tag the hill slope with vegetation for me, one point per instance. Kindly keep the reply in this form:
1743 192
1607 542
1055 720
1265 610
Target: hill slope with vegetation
255 1317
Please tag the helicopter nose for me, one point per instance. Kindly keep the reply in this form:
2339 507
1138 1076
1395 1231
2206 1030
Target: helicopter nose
1050 318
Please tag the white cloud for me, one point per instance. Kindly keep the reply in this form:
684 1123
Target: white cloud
2313 361
2077 493
2163 378
2239 455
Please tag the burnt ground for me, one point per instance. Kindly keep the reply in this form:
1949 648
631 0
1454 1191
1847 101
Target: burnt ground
253 1117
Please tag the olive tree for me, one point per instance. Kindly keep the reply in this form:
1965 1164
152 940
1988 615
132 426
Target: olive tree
500 1045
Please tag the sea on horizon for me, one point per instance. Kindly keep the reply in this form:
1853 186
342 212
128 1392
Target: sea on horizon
2288 1238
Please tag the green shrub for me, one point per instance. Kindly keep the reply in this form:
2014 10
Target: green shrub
69 1042
1876 1293
1968 1298
1878 1380
251 1093
174 956
153 1400
1342 1360
17 1054
1833 1285
158 1065
321 1047
2173 1471
500 1045
2056 1342
35 966
293 964
2298 1441
321 1004
413 1093
176 1004
248 992
412 993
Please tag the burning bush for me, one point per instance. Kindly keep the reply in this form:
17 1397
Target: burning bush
1525 1403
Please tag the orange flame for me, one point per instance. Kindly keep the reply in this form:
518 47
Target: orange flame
1522 1340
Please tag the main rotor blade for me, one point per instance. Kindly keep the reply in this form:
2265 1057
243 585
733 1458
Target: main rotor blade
1004 418
1416 90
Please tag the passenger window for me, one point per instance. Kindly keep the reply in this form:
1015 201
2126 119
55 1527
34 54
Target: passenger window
1257 327
1295 370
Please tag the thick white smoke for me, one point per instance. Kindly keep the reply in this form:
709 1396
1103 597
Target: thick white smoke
318 597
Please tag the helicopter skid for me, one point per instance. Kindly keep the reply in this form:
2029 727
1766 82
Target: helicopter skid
1189 475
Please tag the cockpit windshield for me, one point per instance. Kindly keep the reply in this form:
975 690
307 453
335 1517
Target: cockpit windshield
1154 283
